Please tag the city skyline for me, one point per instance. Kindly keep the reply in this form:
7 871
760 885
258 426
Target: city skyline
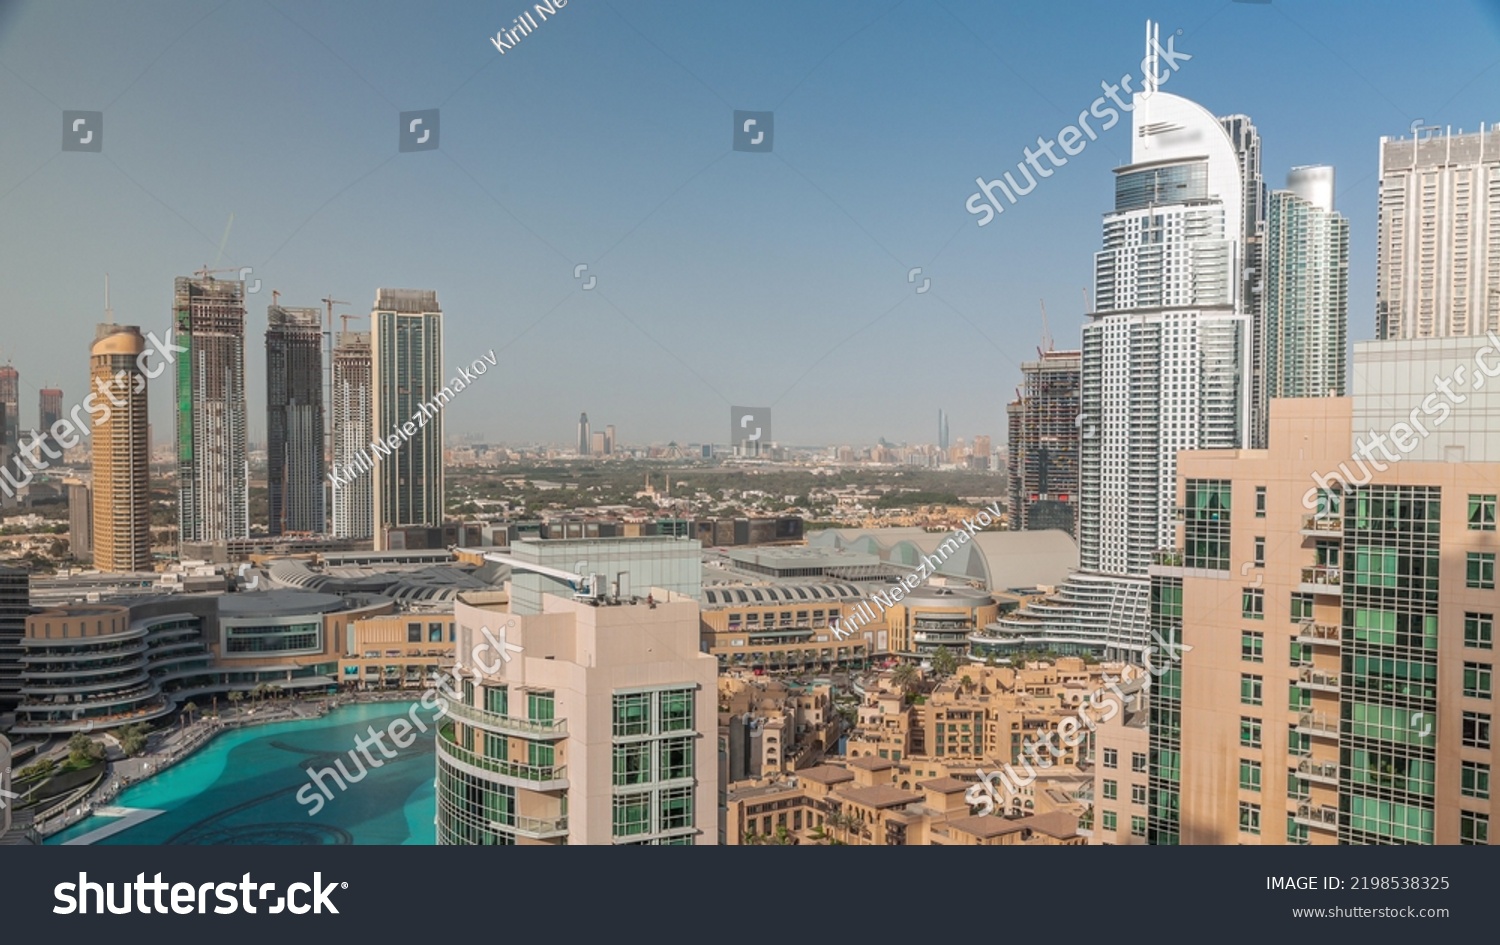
292 247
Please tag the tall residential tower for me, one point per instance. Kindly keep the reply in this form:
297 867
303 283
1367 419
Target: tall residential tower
406 357
294 420
1042 456
1306 295
213 473
353 410
120 537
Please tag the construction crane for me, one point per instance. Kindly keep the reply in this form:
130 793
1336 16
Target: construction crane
1046 333
207 273
344 321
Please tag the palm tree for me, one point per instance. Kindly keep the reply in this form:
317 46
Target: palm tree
905 677
944 663
966 683
236 697
783 837
751 838
189 708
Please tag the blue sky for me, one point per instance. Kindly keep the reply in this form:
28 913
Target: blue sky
603 138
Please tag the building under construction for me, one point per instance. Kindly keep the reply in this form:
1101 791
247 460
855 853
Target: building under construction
213 472
352 406
294 420
1045 430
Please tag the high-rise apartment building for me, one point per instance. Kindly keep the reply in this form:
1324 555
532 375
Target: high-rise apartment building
1306 298
353 413
15 606
1166 367
609 440
121 492
294 420
213 473
10 415
80 520
1246 141
585 440
942 431
1336 610
1042 456
406 358
1438 235
49 412
597 725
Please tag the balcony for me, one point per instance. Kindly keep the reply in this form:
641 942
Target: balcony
1322 579
506 724
1319 634
1167 558
531 777
1317 723
1322 526
1323 817
1319 679
1323 772
537 828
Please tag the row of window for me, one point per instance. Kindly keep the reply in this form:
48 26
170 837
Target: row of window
1137 759
1109 820
1111 790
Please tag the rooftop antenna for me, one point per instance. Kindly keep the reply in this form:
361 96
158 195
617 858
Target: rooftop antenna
1153 36
1046 333
109 313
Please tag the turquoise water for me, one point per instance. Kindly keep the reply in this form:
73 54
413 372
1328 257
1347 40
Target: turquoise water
242 788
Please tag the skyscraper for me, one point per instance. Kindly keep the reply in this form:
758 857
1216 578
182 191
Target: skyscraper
294 420
406 357
942 430
1306 295
609 440
585 440
1042 456
1166 367
49 412
15 605
1246 141
353 410
10 411
121 494
1438 236
213 473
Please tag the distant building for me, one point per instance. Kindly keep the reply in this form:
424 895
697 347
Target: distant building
353 412
49 412
294 420
585 441
1042 456
597 444
609 440
406 353
1438 235
120 494
1306 296
213 472
80 520
10 411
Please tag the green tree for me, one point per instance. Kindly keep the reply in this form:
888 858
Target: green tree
905 677
83 751
944 663
133 739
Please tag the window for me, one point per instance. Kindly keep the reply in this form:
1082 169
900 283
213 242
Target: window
1474 780
1111 758
1482 513
413 633
1250 689
434 633
1481 570
632 713
1249 817
496 746
1138 794
1299 699
676 710
1260 552
1253 603
1476 729
1477 680
1251 645
1111 789
1138 761
1473 828
1109 820
1249 732
1249 775
1260 501
539 706
676 758
632 814
1302 607
1137 826
677 808
1479 630
539 755
497 700
633 763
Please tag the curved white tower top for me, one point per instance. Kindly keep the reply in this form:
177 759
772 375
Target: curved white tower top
1167 128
